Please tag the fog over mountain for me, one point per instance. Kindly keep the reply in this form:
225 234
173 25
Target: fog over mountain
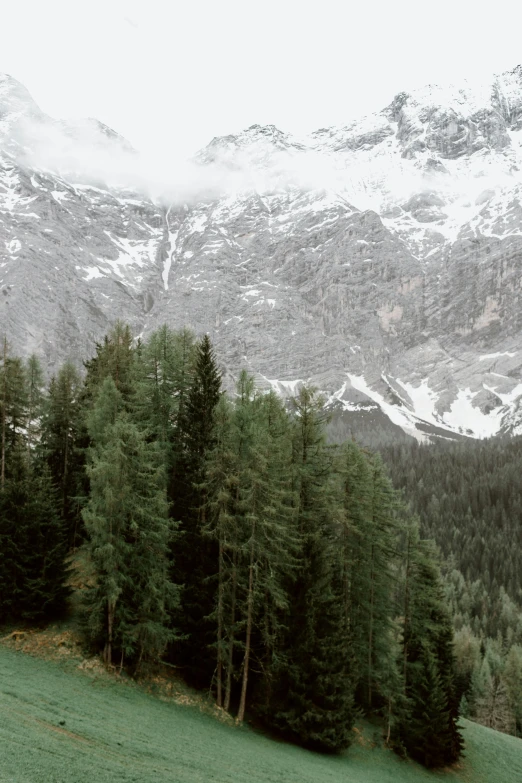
381 261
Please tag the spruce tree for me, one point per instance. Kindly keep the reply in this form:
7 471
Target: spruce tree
312 695
250 516
428 727
196 558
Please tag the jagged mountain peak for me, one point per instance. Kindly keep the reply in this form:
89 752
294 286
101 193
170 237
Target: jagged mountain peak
380 260
38 140
12 90
256 144
92 131
16 106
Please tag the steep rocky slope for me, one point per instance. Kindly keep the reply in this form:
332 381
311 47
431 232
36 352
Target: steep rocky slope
382 260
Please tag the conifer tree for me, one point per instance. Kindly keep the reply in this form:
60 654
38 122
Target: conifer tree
222 481
35 399
512 677
250 516
265 515
492 705
281 560
368 546
186 350
13 407
114 358
354 542
313 691
126 519
428 727
197 552
33 550
61 434
155 394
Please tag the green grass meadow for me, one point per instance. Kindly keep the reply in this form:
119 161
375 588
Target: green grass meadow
61 725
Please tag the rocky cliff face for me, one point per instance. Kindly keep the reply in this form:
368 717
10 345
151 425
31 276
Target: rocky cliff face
381 261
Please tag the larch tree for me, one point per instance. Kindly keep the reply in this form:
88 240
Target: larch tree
269 545
221 525
35 399
13 407
128 530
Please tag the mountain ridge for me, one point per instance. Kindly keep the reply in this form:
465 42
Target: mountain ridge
380 261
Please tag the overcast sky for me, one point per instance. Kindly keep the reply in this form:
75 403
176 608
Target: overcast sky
170 75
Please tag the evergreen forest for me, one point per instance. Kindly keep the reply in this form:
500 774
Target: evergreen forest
224 535
468 498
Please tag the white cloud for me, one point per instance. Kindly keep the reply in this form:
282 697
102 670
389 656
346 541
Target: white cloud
173 75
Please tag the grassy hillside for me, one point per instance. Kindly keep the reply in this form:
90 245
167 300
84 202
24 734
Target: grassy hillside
64 725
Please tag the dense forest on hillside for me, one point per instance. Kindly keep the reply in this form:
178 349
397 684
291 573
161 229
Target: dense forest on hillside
468 498
224 535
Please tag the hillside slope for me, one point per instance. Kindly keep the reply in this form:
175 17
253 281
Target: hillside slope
61 725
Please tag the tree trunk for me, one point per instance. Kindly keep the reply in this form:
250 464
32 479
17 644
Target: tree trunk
250 604
230 662
370 631
406 610
219 698
65 468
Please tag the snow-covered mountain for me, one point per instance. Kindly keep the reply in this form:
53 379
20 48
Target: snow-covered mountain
381 261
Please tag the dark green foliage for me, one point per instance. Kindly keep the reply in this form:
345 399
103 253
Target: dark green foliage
35 398
156 394
226 534
312 685
312 695
61 433
195 553
428 726
114 358
250 517
468 497
128 536
33 549
370 563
